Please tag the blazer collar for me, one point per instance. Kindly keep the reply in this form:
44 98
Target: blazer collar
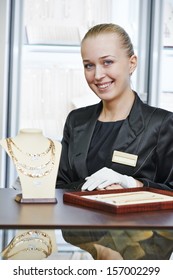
131 127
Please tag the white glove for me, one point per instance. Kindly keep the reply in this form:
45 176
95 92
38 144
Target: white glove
106 177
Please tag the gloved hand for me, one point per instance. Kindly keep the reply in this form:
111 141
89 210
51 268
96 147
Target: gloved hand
106 177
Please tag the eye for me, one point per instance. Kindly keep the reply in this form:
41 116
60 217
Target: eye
107 62
89 66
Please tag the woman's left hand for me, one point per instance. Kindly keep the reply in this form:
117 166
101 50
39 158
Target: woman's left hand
106 177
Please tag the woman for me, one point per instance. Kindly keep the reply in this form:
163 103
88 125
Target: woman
95 136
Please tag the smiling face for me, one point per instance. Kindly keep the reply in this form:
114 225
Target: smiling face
107 66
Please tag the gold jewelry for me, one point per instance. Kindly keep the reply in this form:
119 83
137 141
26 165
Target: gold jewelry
33 155
29 249
33 171
130 197
32 167
24 239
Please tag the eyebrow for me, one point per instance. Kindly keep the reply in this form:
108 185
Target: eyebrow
102 57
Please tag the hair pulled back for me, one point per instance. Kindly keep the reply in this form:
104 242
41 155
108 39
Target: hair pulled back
106 28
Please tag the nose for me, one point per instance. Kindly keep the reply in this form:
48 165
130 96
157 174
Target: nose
99 72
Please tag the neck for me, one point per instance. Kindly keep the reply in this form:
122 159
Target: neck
30 132
31 140
118 109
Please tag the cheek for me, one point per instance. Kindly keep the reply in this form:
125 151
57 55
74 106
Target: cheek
114 71
89 77
121 73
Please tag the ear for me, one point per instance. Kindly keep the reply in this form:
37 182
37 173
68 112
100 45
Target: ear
132 64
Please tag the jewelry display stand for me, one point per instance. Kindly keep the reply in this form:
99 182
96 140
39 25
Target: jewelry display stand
36 159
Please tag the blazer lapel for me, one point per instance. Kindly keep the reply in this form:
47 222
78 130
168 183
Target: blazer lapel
82 138
130 129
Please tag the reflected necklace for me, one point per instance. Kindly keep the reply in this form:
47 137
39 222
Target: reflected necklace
36 171
30 241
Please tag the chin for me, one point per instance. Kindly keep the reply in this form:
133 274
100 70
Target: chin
107 96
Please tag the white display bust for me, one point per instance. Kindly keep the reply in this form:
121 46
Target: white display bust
36 159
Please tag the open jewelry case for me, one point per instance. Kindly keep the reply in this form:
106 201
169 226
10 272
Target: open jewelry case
122 200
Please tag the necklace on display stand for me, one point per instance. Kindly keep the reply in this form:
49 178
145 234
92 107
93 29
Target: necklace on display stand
36 171
33 171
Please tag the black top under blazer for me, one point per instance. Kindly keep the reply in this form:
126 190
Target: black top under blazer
146 132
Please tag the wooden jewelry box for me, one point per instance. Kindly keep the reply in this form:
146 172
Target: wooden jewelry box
122 200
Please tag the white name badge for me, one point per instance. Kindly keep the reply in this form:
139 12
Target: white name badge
124 158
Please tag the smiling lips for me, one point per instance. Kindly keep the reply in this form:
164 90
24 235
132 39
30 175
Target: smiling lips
104 85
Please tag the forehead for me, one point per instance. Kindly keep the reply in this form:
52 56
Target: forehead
101 45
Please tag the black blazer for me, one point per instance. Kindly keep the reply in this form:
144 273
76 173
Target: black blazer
147 132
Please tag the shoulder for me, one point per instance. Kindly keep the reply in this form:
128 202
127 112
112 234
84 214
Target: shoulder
158 113
153 112
158 120
84 113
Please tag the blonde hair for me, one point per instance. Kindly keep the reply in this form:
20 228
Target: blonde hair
112 28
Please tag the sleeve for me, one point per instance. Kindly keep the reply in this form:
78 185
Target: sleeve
66 178
164 157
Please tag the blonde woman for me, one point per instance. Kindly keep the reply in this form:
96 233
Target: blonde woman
121 122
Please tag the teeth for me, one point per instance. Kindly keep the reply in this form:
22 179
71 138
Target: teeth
103 86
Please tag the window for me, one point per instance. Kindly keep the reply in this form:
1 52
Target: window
166 96
52 80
